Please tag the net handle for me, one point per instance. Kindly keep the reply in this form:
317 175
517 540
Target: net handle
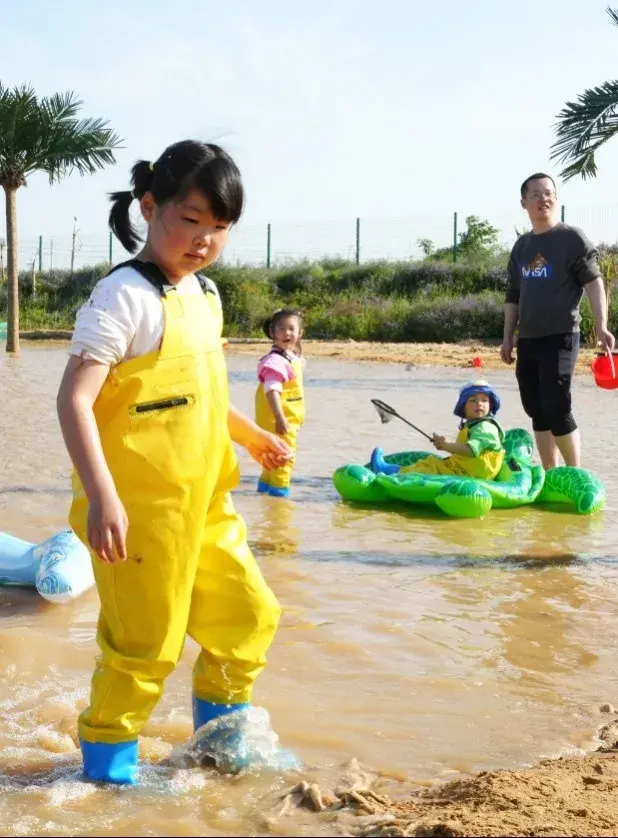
380 405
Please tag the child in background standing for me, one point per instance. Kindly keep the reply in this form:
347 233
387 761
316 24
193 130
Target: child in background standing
279 399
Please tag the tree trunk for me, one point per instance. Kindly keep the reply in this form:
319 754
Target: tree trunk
12 326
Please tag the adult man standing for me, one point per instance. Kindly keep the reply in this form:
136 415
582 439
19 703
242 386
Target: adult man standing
549 270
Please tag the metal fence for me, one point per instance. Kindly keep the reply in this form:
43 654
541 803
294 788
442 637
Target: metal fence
357 239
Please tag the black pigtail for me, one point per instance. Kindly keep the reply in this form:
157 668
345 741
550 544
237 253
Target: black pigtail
267 327
119 216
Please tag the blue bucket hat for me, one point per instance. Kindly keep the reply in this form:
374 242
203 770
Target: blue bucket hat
470 389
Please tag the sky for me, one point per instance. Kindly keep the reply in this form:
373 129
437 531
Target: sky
393 111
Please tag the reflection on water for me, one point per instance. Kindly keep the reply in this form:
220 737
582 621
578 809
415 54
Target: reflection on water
415 643
275 529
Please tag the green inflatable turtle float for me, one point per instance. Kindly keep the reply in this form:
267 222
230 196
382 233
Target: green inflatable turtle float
518 483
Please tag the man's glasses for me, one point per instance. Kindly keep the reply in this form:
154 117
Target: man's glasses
537 196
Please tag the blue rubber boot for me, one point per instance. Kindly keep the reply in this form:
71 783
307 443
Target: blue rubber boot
237 737
206 711
379 464
110 763
276 492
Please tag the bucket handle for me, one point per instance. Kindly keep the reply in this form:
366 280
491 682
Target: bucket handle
610 356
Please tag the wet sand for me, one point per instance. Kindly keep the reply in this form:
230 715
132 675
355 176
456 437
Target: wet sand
568 796
564 796
415 354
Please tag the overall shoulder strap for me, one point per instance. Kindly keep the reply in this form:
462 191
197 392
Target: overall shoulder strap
156 277
274 350
148 270
207 285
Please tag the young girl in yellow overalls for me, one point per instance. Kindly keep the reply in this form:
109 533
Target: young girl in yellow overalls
478 449
279 399
146 418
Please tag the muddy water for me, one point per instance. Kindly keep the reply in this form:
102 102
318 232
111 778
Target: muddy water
420 646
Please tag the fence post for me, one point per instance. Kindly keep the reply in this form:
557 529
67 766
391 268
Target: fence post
111 239
358 241
454 237
268 246
562 213
40 254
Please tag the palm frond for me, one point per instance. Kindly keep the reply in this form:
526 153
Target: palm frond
583 127
84 149
613 13
61 106
83 145
46 135
18 130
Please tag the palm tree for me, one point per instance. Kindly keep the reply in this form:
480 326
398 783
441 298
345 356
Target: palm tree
584 126
42 135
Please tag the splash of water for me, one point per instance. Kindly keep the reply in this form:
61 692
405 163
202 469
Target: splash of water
240 741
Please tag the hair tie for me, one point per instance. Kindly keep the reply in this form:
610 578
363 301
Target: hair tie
151 166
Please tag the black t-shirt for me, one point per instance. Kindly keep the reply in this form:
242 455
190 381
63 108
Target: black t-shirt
547 273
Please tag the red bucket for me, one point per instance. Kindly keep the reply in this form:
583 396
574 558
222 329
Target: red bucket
604 375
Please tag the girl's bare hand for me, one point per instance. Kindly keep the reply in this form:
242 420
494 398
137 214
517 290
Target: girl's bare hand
107 528
270 451
282 425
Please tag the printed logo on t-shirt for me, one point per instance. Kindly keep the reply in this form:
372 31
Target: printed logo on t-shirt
538 268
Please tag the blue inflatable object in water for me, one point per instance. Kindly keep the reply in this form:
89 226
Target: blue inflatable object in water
59 568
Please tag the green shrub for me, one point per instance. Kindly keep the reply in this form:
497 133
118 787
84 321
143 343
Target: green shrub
379 301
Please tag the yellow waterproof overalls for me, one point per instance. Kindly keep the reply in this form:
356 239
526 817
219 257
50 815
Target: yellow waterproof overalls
293 403
163 422
485 466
